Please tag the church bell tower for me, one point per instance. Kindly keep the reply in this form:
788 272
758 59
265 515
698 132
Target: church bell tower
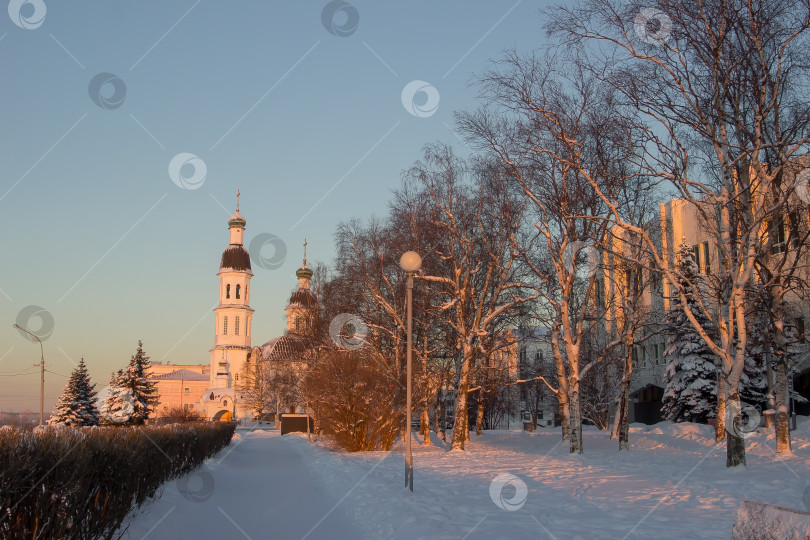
233 316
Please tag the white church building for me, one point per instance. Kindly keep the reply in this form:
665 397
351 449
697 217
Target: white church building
233 318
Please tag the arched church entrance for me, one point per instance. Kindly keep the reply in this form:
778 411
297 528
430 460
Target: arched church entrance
223 416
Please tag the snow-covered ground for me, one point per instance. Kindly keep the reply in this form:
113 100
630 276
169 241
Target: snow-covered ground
673 483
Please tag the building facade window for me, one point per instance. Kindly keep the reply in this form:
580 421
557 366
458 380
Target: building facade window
236 326
228 290
237 290
700 254
656 282
225 325
658 353
799 322
639 356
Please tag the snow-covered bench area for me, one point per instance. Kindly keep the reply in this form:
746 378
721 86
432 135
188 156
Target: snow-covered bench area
672 484
757 521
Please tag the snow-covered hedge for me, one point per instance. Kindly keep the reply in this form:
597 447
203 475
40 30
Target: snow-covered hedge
61 482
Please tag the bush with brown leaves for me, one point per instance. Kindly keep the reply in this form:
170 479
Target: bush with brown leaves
353 397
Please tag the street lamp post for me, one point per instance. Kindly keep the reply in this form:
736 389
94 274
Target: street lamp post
42 367
410 262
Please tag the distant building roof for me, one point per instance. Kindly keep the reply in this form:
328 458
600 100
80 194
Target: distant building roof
288 347
181 375
536 332
304 298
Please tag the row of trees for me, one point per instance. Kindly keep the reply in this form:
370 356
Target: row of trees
550 220
129 399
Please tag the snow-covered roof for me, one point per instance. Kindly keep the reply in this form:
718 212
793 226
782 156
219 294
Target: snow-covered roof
287 347
536 332
181 375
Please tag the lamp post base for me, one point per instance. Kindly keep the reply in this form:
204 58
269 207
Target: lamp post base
409 472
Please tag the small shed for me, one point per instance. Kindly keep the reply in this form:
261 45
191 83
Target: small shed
291 423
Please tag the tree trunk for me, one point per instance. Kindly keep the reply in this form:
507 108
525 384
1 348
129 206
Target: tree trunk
782 396
425 421
735 441
720 420
623 414
617 420
565 415
444 418
623 417
437 414
460 427
576 418
479 419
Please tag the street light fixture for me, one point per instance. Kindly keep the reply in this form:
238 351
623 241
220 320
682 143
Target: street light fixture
42 366
411 262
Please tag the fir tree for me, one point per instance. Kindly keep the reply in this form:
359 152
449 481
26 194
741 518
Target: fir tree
77 404
117 403
144 392
754 379
691 375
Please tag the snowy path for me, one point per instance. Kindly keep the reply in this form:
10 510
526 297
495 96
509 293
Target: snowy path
259 487
673 484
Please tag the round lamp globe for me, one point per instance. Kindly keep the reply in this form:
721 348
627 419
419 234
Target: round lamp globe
410 261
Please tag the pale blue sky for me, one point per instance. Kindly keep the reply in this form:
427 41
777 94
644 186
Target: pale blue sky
95 231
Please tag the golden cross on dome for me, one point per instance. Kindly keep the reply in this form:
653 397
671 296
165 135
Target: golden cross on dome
305 251
237 200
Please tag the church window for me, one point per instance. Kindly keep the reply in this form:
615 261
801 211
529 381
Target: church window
225 325
237 290
228 290
298 323
236 326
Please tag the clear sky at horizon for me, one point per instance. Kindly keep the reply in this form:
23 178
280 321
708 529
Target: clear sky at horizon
309 125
